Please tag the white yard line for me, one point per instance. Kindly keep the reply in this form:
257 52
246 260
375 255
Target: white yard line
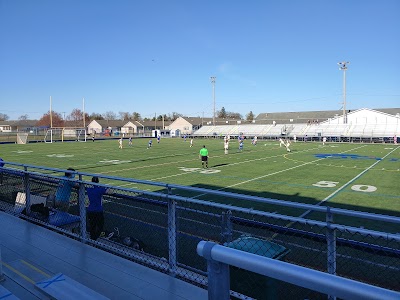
348 183
270 174
185 173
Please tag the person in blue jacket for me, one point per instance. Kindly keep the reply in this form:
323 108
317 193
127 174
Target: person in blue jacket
94 212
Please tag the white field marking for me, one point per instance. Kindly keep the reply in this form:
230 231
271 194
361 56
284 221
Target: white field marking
270 174
347 183
189 160
238 163
195 159
22 151
60 155
233 164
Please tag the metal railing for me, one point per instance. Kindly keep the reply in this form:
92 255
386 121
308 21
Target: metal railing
219 258
160 225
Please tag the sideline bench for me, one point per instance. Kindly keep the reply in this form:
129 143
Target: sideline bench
56 218
62 287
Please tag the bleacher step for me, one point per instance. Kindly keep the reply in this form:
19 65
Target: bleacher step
62 287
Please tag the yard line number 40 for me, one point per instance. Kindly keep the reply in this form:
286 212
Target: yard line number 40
358 187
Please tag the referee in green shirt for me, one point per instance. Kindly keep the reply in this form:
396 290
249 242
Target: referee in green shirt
204 156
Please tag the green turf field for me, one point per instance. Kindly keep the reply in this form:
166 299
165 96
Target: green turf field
352 176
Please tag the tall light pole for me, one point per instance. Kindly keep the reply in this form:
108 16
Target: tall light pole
343 67
213 85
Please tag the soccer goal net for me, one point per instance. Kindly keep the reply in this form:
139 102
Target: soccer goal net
22 138
81 133
65 134
53 135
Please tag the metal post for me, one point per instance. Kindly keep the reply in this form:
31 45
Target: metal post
218 276
172 228
226 227
2 277
213 84
331 245
82 209
27 191
343 67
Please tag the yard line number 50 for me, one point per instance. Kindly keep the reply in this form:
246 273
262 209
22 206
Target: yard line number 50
358 187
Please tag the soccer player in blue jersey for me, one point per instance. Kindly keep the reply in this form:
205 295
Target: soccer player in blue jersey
240 144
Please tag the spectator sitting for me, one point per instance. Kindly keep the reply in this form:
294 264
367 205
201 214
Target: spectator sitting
64 190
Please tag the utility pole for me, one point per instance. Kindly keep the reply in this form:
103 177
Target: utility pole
83 113
343 67
213 85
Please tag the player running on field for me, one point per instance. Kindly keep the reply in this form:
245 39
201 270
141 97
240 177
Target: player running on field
288 145
226 144
281 142
120 143
150 144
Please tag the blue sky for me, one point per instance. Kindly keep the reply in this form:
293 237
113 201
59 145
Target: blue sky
157 56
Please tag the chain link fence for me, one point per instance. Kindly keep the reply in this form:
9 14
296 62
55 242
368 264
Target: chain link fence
161 230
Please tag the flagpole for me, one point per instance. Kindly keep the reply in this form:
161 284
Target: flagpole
51 116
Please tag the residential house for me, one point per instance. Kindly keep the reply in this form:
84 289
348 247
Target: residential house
188 125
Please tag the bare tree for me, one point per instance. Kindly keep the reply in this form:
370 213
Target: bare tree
23 117
124 115
3 117
75 118
175 116
96 116
110 115
233 115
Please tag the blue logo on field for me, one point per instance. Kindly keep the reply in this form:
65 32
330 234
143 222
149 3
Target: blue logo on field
345 156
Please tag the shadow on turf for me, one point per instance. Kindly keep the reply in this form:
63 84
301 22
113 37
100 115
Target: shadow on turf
296 212
219 165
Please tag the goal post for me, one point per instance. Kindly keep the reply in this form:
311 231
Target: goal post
82 134
54 134
48 137
22 138
65 134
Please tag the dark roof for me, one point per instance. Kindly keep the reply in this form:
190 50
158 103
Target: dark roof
304 116
196 121
111 123
20 123
390 111
151 123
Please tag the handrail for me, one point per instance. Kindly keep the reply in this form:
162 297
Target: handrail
308 278
231 207
324 209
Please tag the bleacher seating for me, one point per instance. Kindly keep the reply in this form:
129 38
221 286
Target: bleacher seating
353 131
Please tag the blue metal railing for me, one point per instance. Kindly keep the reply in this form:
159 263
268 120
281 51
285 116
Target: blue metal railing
219 258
